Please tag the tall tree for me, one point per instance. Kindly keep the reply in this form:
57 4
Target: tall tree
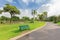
34 12
45 15
11 9
40 16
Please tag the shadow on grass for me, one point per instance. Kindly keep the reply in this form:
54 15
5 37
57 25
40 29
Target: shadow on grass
16 31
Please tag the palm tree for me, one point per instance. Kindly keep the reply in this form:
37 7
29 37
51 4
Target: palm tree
34 12
40 16
11 9
45 15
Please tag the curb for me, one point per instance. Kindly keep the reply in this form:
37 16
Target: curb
15 38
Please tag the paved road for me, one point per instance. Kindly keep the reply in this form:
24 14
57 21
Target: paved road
49 32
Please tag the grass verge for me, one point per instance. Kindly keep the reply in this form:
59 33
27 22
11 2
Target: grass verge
8 31
58 23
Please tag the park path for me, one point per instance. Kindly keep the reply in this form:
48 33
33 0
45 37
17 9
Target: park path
50 32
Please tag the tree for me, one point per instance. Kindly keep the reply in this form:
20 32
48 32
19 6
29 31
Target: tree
1 11
15 18
11 9
36 19
34 12
25 18
50 18
4 19
58 18
45 15
53 19
40 16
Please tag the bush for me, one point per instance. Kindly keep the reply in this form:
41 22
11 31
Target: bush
31 21
14 18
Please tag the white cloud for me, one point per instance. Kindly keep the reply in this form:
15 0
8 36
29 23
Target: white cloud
33 0
1 8
6 14
43 8
26 1
54 8
26 12
9 0
39 1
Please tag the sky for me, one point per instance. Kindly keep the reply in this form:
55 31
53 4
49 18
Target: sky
26 6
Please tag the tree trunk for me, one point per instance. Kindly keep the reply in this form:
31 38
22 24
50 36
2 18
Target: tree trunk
33 18
11 18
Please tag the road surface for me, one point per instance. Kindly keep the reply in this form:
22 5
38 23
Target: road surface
50 32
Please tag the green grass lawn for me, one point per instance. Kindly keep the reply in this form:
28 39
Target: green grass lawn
8 31
58 23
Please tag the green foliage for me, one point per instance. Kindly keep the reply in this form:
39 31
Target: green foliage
40 17
34 12
53 18
58 23
58 18
50 18
4 19
45 13
43 16
32 20
36 19
1 11
15 18
11 9
25 18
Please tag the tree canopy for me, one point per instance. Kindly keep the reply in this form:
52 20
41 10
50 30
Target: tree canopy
11 9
